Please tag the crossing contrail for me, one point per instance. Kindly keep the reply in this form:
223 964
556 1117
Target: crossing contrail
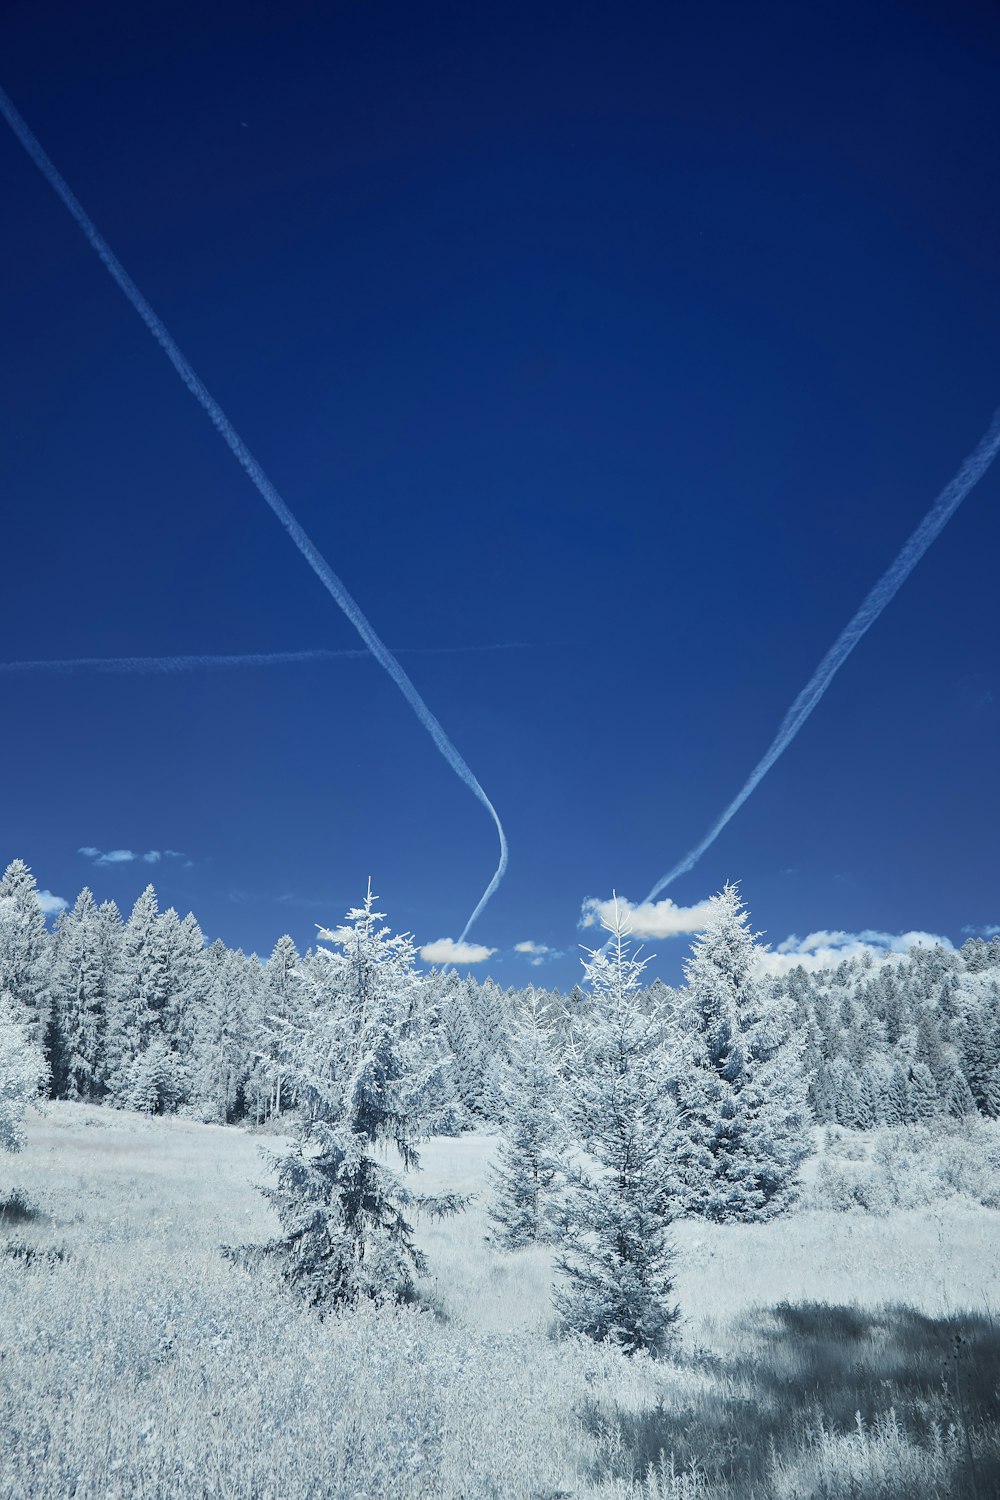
329 579
168 665
944 507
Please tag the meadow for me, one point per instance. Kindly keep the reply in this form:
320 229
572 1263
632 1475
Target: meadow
847 1349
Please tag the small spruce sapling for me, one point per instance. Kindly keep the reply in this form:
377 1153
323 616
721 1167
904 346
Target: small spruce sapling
359 1074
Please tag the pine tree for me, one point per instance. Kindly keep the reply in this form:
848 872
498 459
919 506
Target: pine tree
139 996
79 990
23 1074
358 1073
225 1028
617 1265
924 1098
283 1000
991 1100
532 1135
740 1081
24 950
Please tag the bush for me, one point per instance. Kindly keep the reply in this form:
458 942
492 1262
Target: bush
910 1166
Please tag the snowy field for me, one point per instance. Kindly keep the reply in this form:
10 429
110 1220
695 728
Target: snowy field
138 1362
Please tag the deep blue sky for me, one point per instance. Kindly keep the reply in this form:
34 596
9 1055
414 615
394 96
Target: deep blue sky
642 335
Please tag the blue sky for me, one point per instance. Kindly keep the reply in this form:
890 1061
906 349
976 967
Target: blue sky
637 342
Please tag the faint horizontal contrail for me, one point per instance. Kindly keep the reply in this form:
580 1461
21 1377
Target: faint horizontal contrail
166 665
944 507
329 579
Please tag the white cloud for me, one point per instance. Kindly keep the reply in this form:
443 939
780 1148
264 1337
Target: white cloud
126 856
537 953
447 951
115 857
650 919
51 905
992 929
824 950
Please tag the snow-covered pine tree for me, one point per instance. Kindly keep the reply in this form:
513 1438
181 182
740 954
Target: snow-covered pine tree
78 984
740 1081
138 998
283 999
358 1074
24 950
922 1093
225 1028
617 1265
460 1026
532 1136
23 1073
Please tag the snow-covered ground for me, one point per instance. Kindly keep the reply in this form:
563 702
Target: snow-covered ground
136 1361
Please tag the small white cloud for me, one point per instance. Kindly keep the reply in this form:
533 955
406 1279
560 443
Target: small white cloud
538 953
650 919
51 905
152 856
115 857
824 950
447 951
990 930
88 852
174 854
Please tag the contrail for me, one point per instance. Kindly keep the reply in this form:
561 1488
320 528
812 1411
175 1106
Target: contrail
944 507
167 665
333 585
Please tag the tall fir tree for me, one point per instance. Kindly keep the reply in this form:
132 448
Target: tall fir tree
24 951
79 990
138 998
740 1081
616 1270
532 1137
23 1073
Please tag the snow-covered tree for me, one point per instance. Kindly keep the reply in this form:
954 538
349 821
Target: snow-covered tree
359 1073
24 950
79 990
532 1137
740 1081
225 1028
283 999
617 1264
23 1074
140 994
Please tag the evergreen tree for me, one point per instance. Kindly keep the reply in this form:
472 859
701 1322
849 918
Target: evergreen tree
617 1264
225 1028
283 1000
359 1074
740 1081
139 996
79 981
532 1135
924 1098
24 950
23 1074
991 1100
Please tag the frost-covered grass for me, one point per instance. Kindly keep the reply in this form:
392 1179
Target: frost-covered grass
141 1363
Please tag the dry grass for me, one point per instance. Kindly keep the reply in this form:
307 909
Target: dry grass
143 1364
